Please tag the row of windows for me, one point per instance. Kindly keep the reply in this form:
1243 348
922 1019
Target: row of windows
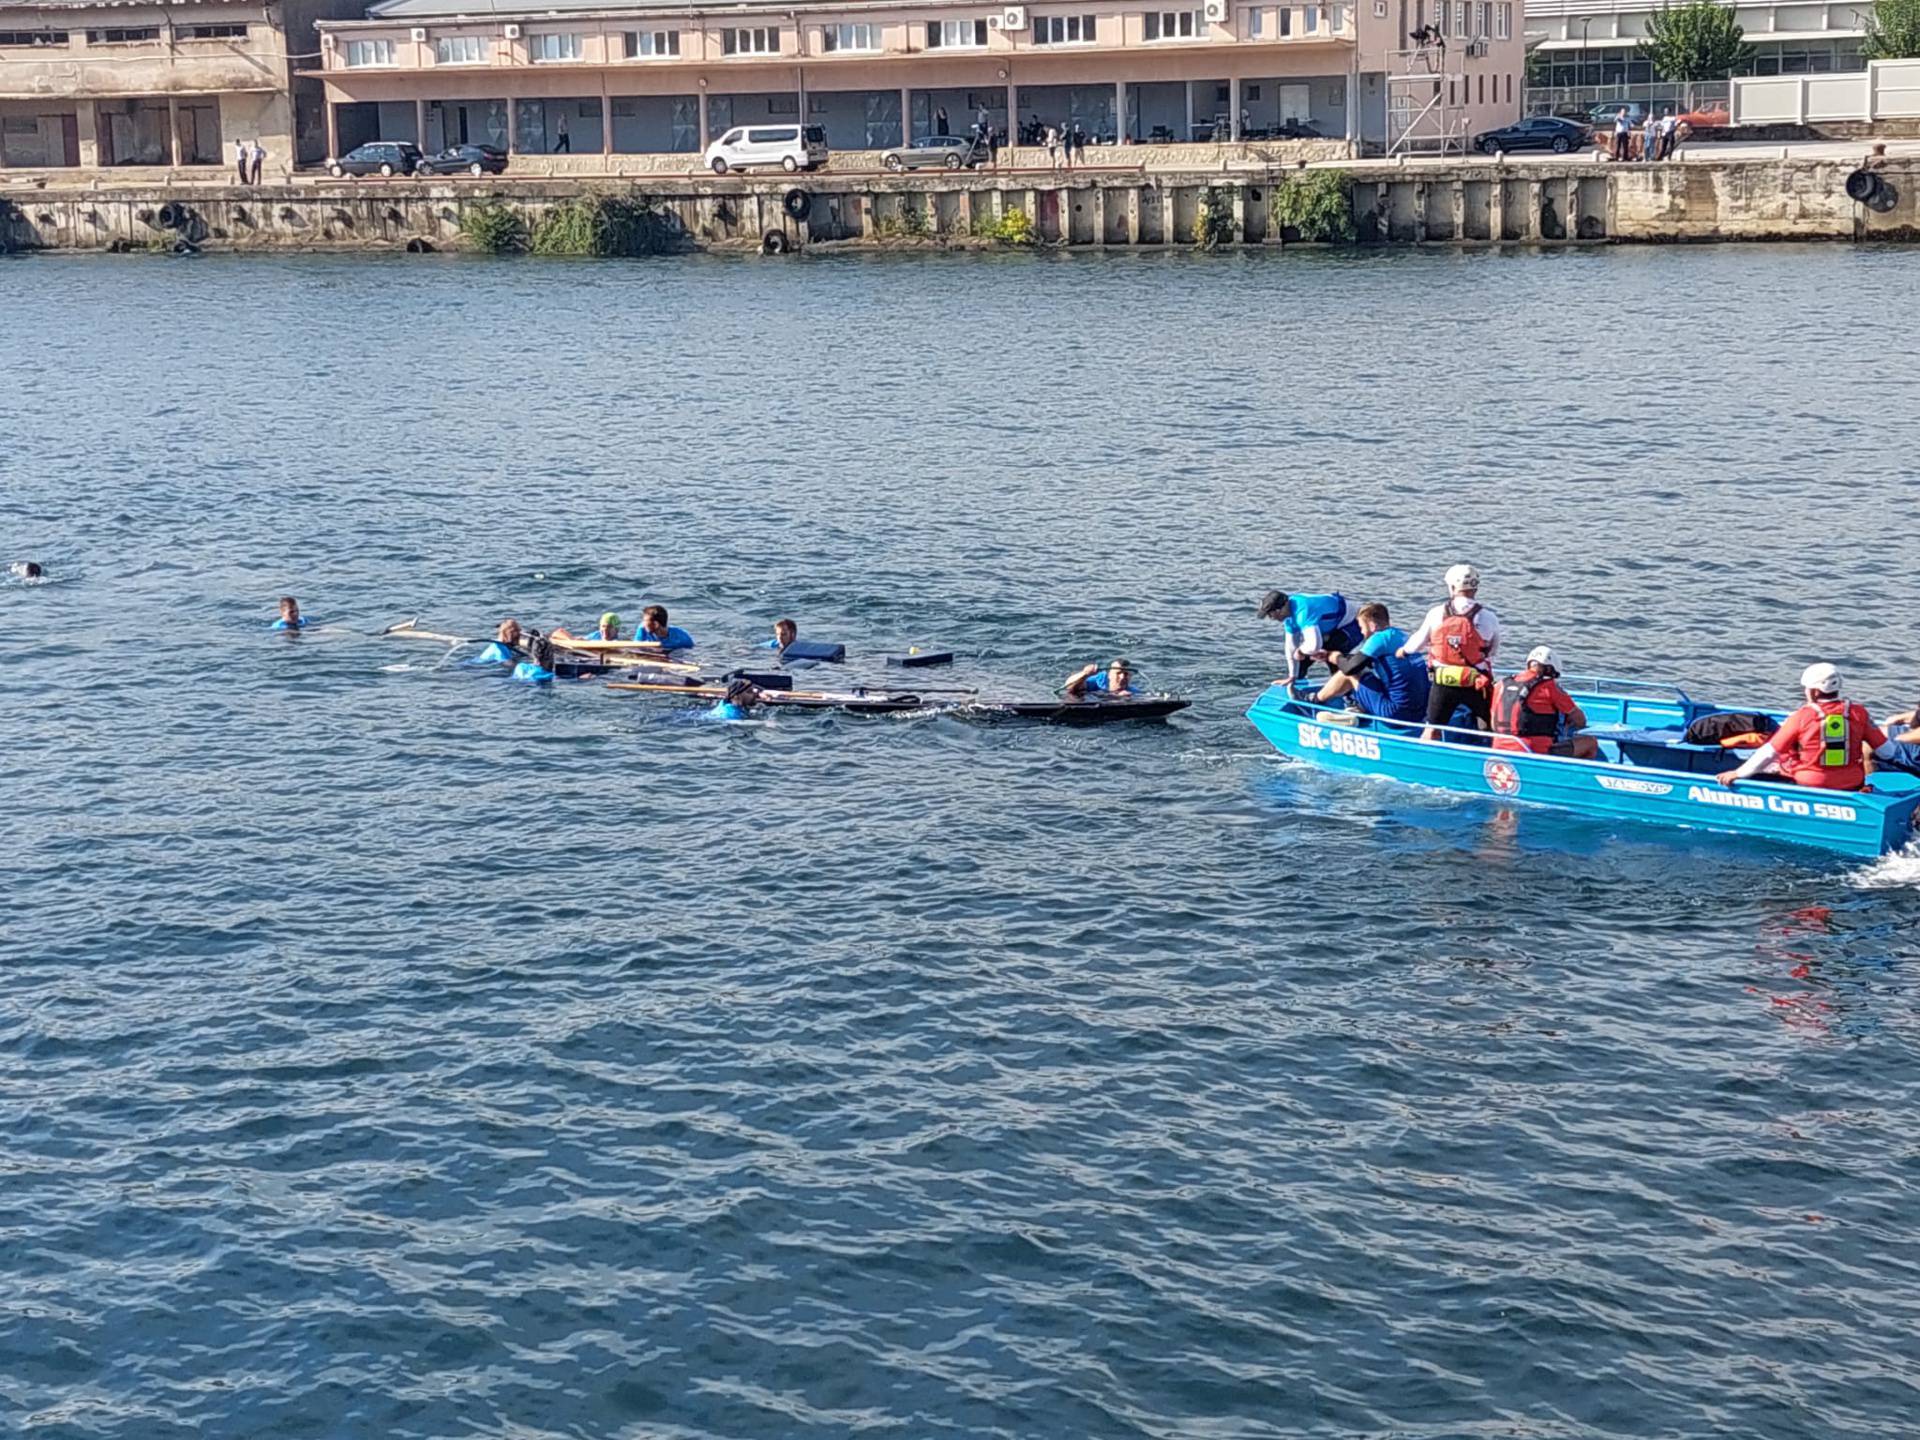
1627 66
1493 18
124 35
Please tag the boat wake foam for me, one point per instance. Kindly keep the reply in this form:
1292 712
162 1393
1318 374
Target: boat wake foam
1896 870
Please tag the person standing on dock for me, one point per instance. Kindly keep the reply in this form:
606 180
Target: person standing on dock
257 163
1669 123
1622 128
1650 139
241 161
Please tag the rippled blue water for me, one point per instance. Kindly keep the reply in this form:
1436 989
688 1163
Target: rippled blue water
388 1050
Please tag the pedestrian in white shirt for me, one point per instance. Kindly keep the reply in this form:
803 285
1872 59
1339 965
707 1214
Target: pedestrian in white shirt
240 158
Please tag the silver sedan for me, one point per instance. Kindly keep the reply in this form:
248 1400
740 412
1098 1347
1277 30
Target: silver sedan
948 151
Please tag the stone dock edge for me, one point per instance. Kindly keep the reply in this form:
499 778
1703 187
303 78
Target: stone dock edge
1466 203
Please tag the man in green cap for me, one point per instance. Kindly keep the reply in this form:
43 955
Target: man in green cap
609 628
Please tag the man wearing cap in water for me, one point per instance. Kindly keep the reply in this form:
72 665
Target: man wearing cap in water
741 696
1823 744
609 628
1315 627
1116 680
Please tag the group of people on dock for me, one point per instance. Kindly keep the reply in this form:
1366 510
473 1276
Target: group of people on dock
1443 677
1658 136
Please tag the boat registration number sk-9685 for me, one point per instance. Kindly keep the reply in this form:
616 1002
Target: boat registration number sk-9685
1340 742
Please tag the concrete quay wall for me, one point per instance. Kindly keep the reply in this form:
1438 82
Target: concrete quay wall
1477 202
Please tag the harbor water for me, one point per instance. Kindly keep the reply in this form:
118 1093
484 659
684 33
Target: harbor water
389 1049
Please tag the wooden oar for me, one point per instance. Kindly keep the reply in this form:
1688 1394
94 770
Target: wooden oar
405 631
769 697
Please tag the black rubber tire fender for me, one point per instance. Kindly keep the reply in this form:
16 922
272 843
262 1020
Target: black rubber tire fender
797 203
774 242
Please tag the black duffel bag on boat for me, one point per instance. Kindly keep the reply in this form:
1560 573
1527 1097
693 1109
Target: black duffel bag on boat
1731 727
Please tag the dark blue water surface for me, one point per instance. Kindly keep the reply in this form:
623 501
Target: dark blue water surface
391 1050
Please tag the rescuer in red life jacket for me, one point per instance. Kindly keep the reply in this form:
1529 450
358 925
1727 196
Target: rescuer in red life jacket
1529 708
1460 637
1823 744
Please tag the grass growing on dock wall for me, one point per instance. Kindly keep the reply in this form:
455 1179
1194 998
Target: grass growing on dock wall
1014 227
493 228
603 225
1315 206
1213 222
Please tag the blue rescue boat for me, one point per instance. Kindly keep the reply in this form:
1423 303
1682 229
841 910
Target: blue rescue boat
1646 771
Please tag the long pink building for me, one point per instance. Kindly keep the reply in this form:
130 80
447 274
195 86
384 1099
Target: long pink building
652 84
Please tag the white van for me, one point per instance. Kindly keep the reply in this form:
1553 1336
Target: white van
789 146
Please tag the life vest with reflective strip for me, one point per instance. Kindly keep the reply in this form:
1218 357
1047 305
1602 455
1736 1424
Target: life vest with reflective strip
1457 651
1832 749
1513 716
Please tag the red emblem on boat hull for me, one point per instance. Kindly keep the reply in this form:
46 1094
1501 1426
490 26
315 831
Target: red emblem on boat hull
1504 779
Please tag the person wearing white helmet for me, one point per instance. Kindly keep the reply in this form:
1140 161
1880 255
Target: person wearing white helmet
1824 744
1459 637
1532 712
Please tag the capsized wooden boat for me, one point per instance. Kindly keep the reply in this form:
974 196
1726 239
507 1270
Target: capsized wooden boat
1646 771
1094 710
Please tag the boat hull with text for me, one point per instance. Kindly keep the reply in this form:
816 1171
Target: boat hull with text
1646 774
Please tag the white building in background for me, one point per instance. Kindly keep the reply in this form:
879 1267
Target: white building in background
1589 49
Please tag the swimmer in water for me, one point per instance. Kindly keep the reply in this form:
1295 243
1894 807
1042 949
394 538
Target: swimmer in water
26 570
504 648
1116 679
785 632
609 628
537 668
741 697
290 618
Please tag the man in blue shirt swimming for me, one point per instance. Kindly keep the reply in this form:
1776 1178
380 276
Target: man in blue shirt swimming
1116 680
654 629
1374 679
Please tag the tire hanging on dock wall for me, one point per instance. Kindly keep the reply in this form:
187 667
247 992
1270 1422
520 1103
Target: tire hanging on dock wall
797 203
775 242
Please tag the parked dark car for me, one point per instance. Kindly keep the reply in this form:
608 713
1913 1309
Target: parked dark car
464 159
378 157
1536 132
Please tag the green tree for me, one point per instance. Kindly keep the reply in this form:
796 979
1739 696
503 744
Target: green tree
1893 31
1700 40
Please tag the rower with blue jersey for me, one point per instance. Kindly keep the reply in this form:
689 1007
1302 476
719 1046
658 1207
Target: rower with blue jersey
1115 679
1373 678
785 632
655 630
1315 627
537 668
503 649
290 616
741 697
